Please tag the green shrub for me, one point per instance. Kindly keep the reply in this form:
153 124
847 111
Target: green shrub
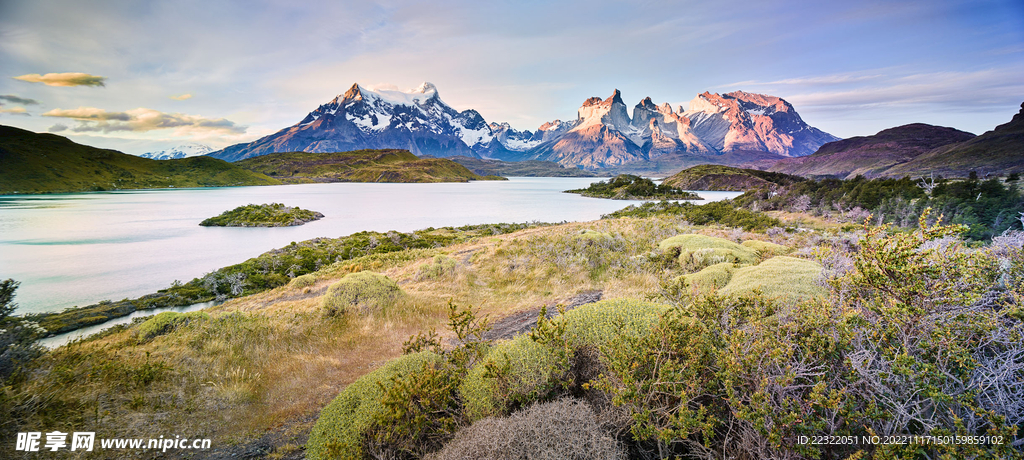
163 323
595 323
565 429
764 247
710 278
530 370
593 235
779 277
523 371
344 425
438 267
302 281
365 290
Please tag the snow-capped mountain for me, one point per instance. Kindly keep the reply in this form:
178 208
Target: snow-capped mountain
191 149
417 120
603 133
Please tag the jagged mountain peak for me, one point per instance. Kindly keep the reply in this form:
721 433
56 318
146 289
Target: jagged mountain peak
609 112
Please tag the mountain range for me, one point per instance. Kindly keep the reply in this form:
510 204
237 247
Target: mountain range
731 128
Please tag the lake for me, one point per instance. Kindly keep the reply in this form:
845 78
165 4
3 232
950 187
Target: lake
81 248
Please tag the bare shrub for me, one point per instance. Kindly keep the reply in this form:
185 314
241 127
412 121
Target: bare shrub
561 430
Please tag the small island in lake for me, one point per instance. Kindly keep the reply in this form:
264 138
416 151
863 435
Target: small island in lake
262 215
630 187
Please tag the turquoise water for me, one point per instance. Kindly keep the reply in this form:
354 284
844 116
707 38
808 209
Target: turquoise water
79 249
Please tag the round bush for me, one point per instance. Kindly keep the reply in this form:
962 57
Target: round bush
786 278
593 235
765 247
341 430
596 323
366 291
302 281
532 367
710 278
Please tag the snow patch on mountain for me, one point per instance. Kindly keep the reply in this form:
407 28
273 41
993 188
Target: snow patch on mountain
191 149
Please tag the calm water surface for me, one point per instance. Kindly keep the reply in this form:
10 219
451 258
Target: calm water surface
79 249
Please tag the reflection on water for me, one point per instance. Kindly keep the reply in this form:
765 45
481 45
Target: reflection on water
79 249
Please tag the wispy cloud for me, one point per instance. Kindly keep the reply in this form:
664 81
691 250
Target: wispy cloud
15 111
58 128
18 100
63 79
181 97
92 119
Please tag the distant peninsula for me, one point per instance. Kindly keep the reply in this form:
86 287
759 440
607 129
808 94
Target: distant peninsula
48 163
262 215
630 187
370 165
727 178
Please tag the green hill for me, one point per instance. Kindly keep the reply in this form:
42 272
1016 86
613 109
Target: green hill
726 178
386 165
47 163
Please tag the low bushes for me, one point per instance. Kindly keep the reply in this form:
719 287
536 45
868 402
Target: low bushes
438 267
698 251
366 291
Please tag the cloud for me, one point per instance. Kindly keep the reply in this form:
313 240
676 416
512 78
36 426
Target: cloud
142 120
88 113
15 111
18 100
64 79
181 97
58 128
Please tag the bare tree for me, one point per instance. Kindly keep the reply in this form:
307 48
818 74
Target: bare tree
927 185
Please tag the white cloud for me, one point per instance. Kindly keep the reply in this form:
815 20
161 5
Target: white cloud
181 97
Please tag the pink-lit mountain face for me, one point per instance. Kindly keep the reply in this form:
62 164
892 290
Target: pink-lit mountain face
602 135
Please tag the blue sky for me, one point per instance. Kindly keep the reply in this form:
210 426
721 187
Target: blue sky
157 74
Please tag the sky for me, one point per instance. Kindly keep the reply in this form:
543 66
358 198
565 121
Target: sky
146 76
